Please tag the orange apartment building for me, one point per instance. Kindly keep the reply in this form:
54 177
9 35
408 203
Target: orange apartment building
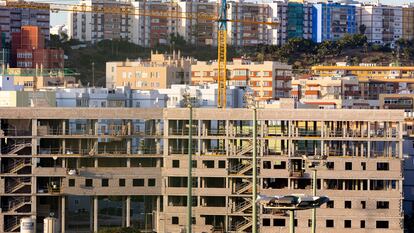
268 79
160 71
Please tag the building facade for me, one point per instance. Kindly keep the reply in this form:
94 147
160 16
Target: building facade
332 21
295 21
94 27
29 51
268 79
383 24
408 22
12 19
160 71
93 168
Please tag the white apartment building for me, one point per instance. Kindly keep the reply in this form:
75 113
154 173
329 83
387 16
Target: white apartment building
153 22
384 24
94 27
12 19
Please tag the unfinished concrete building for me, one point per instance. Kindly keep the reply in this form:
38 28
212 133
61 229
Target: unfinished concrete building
94 168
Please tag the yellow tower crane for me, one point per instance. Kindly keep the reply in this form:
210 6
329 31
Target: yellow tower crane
221 18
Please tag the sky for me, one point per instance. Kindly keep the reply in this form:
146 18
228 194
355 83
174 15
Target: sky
60 18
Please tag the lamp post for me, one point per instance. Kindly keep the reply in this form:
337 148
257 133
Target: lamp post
187 103
292 203
251 103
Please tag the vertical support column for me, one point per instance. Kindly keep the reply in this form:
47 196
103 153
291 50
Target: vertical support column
190 179
95 214
128 211
291 221
123 212
369 140
314 194
63 214
400 140
254 193
33 198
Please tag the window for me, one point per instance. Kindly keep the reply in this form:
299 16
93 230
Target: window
267 165
151 182
330 165
266 222
121 182
174 220
348 166
88 182
208 163
71 182
383 166
329 223
105 182
363 204
279 165
222 164
330 204
176 163
382 224
347 223
364 166
193 219
348 204
383 205
194 164
309 222
138 182
279 222
362 224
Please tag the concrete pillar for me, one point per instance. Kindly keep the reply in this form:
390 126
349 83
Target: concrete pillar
95 214
128 162
96 127
64 127
128 211
123 212
96 162
63 214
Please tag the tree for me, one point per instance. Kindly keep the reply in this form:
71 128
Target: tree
362 29
119 230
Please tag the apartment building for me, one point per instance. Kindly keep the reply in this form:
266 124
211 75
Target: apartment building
245 34
149 31
268 79
160 71
408 22
332 21
329 92
384 24
29 51
95 169
38 78
198 31
12 19
94 27
367 71
295 21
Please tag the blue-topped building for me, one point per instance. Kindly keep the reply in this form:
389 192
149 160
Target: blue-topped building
332 21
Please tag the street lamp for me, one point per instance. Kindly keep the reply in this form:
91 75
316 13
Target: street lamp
188 104
251 103
313 165
292 203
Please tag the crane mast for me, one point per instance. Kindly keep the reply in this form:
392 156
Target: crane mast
222 55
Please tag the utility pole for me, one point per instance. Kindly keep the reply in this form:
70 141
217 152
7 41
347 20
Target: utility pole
187 102
93 74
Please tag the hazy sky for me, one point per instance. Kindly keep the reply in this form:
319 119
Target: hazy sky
60 18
